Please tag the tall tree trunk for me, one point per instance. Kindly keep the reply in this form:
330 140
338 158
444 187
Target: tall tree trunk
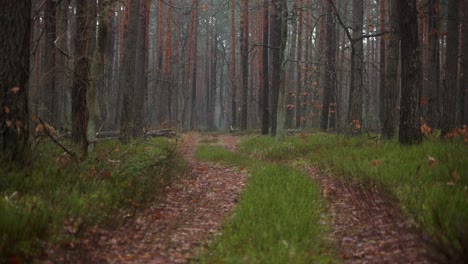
464 87
300 21
193 111
80 78
61 63
433 102
95 53
168 61
330 71
266 79
244 25
14 74
410 132
450 98
49 71
275 43
356 83
233 65
282 9
127 78
382 60
140 74
391 88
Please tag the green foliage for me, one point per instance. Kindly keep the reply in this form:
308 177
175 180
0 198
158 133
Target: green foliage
430 180
279 218
55 198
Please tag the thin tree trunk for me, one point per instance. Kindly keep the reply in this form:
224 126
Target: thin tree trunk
233 65
244 25
266 79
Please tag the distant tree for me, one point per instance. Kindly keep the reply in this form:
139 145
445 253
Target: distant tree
410 132
448 121
194 26
464 83
14 73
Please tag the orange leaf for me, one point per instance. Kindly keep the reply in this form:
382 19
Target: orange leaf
15 89
376 163
39 128
431 160
7 110
35 117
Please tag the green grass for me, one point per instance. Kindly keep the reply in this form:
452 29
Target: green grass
279 218
51 201
435 195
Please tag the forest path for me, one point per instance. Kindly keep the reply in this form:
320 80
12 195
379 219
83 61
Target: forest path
367 226
188 215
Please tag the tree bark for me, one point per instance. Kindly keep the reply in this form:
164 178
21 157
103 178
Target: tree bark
275 43
14 73
80 79
433 114
410 132
282 9
330 72
451 95
356 83
244 25
127 78
266 79
391 87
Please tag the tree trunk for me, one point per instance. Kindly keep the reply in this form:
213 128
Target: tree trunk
275 43
244 25
451 95
382 60
464 87
410 132
233 65
433 103
356 83
193 111
330 72
282 24
14 74
49 71
127 78
80 78
266 79
300 21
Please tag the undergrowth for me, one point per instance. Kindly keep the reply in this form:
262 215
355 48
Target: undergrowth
279 218
430 180
55 198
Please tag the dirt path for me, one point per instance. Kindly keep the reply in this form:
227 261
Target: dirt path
367 226
173 230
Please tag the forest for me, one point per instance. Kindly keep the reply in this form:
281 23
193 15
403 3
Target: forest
119 116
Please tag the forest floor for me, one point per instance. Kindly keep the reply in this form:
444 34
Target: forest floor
366 226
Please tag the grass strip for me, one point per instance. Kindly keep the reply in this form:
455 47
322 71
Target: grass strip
430 180
279 218
55 198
